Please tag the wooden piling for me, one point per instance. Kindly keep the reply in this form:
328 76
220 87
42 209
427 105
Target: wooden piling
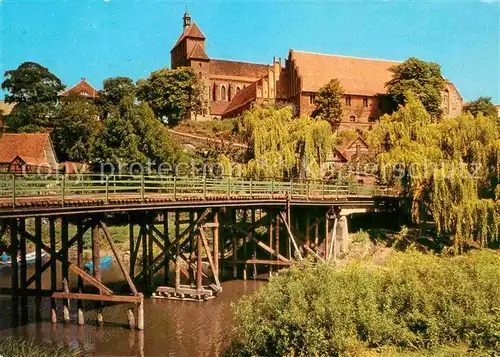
308 229
145 268
277 234
79 259
270 233
38 268
65 266
131 238
166 244
254 252
216 243
150 252
53 268
177 252
140 315
96 262
14 266
199 265
131 318
327 239
23 269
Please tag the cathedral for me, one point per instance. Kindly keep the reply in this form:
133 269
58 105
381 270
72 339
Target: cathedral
233 86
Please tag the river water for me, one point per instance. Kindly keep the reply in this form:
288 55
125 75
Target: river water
172 328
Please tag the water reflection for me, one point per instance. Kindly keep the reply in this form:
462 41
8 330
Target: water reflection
172 328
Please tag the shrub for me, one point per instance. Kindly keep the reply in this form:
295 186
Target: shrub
415 302
360 237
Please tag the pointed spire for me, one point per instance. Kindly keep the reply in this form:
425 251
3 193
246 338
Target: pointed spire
187 19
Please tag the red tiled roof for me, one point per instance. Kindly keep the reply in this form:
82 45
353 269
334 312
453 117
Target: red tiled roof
236 68
192 31
359 76
198 53
243 97
31 148
218 108
82 88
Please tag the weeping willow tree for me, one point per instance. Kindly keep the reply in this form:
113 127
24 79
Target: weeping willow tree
448 170
283 146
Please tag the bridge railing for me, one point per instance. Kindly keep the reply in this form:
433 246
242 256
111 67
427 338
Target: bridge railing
62 188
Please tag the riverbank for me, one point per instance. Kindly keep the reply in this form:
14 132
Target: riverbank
409 303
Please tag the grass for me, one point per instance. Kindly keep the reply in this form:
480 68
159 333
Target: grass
21 347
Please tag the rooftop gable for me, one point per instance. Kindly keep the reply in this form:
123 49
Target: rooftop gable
358 76
82 89
192 31
198 53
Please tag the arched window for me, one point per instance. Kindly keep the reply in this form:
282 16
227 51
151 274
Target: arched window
214 90
229 93
352 118
223 93
238 89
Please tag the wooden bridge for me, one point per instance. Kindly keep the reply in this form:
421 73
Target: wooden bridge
196 231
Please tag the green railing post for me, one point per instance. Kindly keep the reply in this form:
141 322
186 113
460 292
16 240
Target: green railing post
63 189
13 190
204 186
107 189
251 188
272 188
143 188
229 187
307 189
175 188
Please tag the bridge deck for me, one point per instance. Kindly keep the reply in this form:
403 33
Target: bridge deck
28 195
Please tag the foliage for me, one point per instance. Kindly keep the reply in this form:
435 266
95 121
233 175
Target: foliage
20 347
448 170
482 105
132 134
173 94
328 102
420 77
282 146
360 237
76 128
116 89
34 90
412 303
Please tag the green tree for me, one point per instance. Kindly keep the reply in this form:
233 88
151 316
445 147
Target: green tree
482 105
420 77
34 90
132 134
115 89
76 128
328 102
173 94
448 170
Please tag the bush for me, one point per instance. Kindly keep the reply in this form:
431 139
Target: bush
20 347
360 237
415 302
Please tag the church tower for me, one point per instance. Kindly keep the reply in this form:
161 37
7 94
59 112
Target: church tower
189 51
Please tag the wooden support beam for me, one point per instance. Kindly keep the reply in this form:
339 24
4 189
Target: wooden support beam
91 280
150 254
216 246
290 236
97 297
259 261
118 259
313 253
209 255
308 229
178 252
269 249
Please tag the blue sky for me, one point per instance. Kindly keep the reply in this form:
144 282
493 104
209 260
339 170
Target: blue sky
99 39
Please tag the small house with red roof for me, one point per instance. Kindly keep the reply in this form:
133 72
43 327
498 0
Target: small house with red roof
24 153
